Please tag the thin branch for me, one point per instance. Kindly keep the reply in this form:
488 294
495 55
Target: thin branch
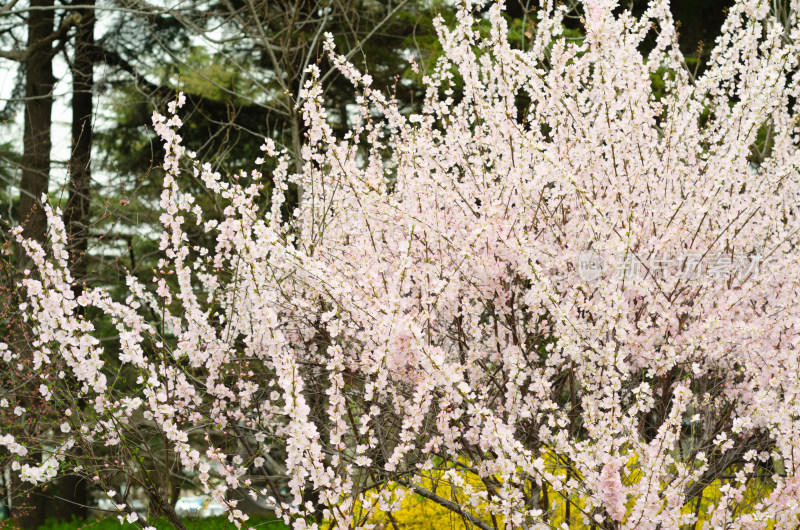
450 505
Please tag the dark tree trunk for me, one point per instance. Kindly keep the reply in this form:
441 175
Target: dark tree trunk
72 489
28 505
76 214
73 499
38 107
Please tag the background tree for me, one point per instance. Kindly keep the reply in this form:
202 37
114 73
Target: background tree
36 58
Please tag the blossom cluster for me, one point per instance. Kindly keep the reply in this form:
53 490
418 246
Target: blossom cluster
420 311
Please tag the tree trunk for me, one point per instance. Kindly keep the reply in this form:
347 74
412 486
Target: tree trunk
73 498
76 213
72 489
28 507
38 107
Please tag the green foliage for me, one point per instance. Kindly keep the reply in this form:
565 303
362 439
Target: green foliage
10 160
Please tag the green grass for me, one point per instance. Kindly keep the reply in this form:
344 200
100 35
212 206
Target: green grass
208 523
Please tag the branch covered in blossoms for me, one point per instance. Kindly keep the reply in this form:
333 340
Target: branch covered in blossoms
421 324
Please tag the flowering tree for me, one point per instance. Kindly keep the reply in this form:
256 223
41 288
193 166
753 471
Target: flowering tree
579 310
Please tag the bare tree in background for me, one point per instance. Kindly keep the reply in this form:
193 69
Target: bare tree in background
28 508
269 45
